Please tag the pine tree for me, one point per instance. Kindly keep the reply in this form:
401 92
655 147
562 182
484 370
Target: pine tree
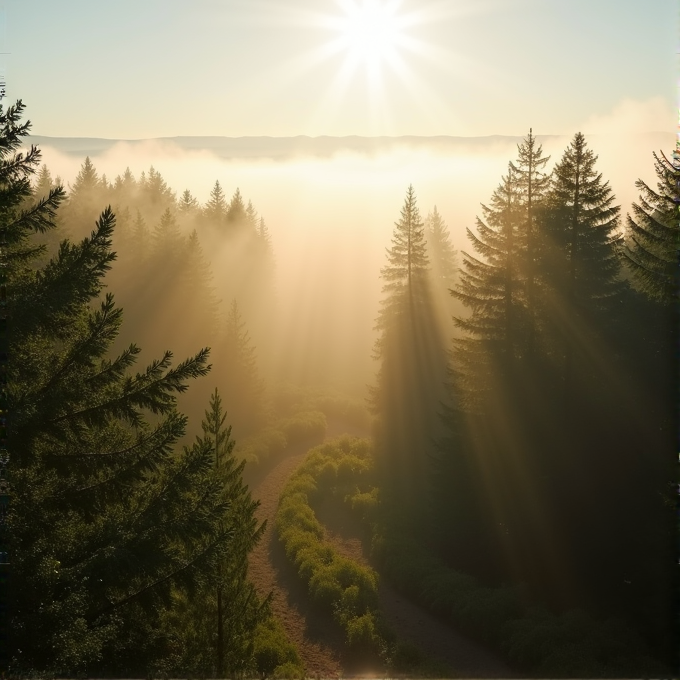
141 240
87 180
195 294
213 631
532 184
251 217
188 205
236 213
167 240
215 210
580 266
443 257
412 370
232 584
155 194
493 289
125 188
440 251
243 386
84 201
105 519
44 183
50 239
653 233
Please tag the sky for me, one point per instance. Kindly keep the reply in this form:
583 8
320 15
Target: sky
137 69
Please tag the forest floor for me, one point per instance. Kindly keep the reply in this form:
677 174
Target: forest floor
318 639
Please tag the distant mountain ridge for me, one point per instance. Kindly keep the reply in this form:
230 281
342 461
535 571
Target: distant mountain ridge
286 147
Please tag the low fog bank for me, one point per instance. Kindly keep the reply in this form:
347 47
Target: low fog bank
330 205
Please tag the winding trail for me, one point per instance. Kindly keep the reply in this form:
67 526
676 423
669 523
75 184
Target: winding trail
317 638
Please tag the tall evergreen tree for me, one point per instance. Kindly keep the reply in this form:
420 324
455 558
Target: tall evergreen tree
104 517
188 205
251 217
493 289
243 386
443 258
410 378
167 239
237 602
532 184
236 213
86 196
653 233
215 210
44 183
155 195
213 631
580 266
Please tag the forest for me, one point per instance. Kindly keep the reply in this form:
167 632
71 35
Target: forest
183 496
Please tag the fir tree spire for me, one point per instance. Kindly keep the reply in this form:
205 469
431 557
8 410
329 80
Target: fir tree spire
652 245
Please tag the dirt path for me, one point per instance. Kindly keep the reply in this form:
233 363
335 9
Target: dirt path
461 656
318 639
270 572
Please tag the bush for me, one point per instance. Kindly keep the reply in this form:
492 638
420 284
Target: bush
304 427
344 588
361 632
308 426
288 399
274 655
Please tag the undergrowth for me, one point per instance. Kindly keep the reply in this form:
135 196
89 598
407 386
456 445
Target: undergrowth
533 639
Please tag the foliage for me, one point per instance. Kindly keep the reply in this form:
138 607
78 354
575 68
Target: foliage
409 384
336 584
108 522
290 399
274 655
534 640
653 233
268 444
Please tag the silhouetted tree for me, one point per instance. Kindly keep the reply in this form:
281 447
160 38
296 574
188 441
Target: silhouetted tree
236 213
444 261
188 205
243 387
580 266
653 233
410 379
44 183
125 188
215 211
155 196
532 185
85 199
493 289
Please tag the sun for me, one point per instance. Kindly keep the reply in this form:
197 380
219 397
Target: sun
371 31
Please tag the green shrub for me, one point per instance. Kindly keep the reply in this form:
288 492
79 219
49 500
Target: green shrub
324 587
364 504
341 586
290 399
361 632
274 655
304 427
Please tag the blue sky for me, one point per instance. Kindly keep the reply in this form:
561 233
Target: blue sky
138 69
